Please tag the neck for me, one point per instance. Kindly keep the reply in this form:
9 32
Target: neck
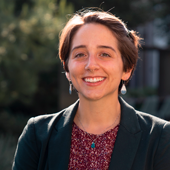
98 115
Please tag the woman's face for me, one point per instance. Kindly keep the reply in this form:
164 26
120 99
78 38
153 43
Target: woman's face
95 64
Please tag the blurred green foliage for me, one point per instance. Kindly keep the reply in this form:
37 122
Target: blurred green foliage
28 66
29 46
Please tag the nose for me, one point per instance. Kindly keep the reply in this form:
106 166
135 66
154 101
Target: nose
92 63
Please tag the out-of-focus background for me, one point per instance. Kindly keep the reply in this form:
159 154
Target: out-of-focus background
32 81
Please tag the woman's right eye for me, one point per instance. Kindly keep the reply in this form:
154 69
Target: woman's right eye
79 55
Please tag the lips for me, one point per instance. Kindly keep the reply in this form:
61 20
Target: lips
94 80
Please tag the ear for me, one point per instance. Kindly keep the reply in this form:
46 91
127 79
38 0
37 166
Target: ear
68 76
126 75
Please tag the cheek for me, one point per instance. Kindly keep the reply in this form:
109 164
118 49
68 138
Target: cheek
116 67
75 66
73 71
120 66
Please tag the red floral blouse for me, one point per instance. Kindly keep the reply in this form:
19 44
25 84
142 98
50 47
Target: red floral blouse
83 156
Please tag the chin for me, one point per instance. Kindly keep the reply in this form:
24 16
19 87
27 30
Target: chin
93 97
98 95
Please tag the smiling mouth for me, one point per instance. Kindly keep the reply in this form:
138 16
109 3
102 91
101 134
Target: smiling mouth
94 80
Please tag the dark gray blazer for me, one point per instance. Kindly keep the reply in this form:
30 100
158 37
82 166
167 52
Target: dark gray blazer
142 143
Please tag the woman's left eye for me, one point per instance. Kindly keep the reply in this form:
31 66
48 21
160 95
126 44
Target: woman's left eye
105 55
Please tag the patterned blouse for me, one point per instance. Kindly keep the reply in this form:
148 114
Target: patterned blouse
83 156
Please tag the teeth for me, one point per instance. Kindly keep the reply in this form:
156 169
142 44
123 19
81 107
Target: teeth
93 80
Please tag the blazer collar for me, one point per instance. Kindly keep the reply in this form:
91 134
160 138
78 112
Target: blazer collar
129 119
60 140
127 140
67 117
125 148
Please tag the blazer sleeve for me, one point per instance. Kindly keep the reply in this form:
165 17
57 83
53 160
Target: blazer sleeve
162 157
26 154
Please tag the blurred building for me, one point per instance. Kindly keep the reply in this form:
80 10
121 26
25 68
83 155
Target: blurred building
153 69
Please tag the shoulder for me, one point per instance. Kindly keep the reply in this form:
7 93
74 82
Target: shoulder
31 141
153 125
158 130
156 133
43 125
49 119
151 121
36 135
38 128
46 120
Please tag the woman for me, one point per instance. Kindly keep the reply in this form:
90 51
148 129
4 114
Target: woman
99 131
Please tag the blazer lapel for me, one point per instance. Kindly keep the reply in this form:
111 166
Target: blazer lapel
127 140
60 141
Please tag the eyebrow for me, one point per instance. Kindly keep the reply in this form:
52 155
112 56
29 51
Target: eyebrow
109 47
100 46
79 46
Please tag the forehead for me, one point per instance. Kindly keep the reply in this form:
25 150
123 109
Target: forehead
94 33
